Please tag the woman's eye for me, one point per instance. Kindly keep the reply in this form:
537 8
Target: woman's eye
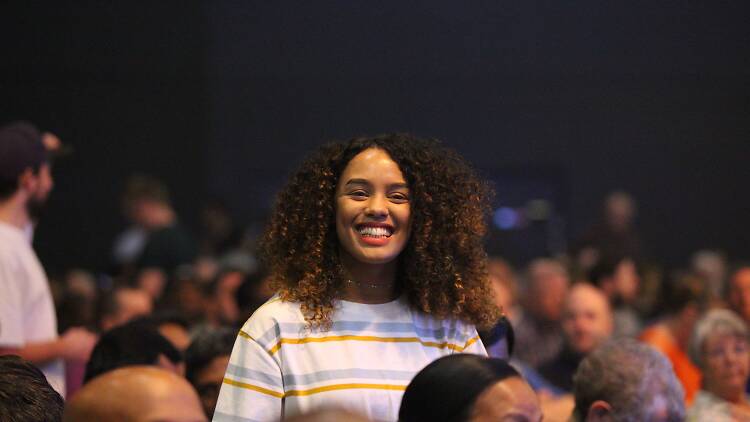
399 197
358 194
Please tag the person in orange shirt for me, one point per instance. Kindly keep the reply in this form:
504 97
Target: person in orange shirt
685 302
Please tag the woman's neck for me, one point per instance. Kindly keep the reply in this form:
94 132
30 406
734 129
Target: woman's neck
369 283
734 396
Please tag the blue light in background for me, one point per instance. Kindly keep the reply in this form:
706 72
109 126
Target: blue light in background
505 218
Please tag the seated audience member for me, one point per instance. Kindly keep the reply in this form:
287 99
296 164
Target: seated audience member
587 322
135 394
739 291
122 304
134 343
76 302
154 282
168 244
466 387
504 286
711 265
720 348
537 327
627 381
619 280
685 299
206 361
25 394
222 307
613 235
173 327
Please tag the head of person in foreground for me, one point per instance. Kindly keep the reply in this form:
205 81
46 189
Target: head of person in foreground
135 394
466 387
627 381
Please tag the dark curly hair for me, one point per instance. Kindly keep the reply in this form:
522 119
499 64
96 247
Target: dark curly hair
442 269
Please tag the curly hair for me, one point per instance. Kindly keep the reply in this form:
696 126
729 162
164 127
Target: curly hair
443 267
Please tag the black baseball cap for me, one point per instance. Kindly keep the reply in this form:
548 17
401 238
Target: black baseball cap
21 147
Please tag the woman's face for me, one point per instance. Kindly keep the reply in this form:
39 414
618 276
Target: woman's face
373 211
727 364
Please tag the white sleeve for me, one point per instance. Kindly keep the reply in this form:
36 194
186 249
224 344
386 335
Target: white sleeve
253 388
11 308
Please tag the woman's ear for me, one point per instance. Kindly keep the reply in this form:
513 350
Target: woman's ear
600 410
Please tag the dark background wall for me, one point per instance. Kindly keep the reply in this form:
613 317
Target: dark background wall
227 97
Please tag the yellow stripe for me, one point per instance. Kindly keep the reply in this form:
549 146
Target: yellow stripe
245 335
442 345
345 387
254 388
469 343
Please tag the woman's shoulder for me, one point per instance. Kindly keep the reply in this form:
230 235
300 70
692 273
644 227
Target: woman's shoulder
273 313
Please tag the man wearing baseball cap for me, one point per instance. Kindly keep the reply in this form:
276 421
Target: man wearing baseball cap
28 326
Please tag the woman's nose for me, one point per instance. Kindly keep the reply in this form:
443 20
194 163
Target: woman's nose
376 207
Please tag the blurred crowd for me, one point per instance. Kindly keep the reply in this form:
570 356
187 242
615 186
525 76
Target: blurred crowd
160 325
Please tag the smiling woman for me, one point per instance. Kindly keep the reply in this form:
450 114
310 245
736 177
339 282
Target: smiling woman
375 251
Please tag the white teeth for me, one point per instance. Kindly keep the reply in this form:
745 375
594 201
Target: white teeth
374 231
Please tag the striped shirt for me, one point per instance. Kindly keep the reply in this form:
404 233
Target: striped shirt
280 366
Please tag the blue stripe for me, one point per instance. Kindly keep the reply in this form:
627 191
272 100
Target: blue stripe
300 330
239 371
225 417
337 374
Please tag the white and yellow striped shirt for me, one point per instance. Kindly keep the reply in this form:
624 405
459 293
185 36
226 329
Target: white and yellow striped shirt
279 366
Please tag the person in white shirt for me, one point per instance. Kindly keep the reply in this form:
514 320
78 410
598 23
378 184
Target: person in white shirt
28 325
376 255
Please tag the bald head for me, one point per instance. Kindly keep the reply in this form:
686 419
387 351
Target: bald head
136 394
587 318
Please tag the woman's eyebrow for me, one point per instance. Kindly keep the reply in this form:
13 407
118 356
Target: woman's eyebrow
399 186
357 182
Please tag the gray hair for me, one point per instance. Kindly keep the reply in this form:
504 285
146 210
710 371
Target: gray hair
717 322
635 379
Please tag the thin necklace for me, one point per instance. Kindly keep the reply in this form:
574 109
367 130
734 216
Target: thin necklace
369 285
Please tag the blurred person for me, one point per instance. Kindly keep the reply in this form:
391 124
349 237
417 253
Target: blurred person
133 343
626 381
219 233
613 236
173 326
253 292
711 265
223 308
28 324
168 244
504 286
122 304
537 326
206 361
685 300
720 347
136 394
25 394
76 303
587 322
464 387
618 278
738 294
193 300
154 282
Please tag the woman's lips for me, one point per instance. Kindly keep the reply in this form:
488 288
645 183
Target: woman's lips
374 234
